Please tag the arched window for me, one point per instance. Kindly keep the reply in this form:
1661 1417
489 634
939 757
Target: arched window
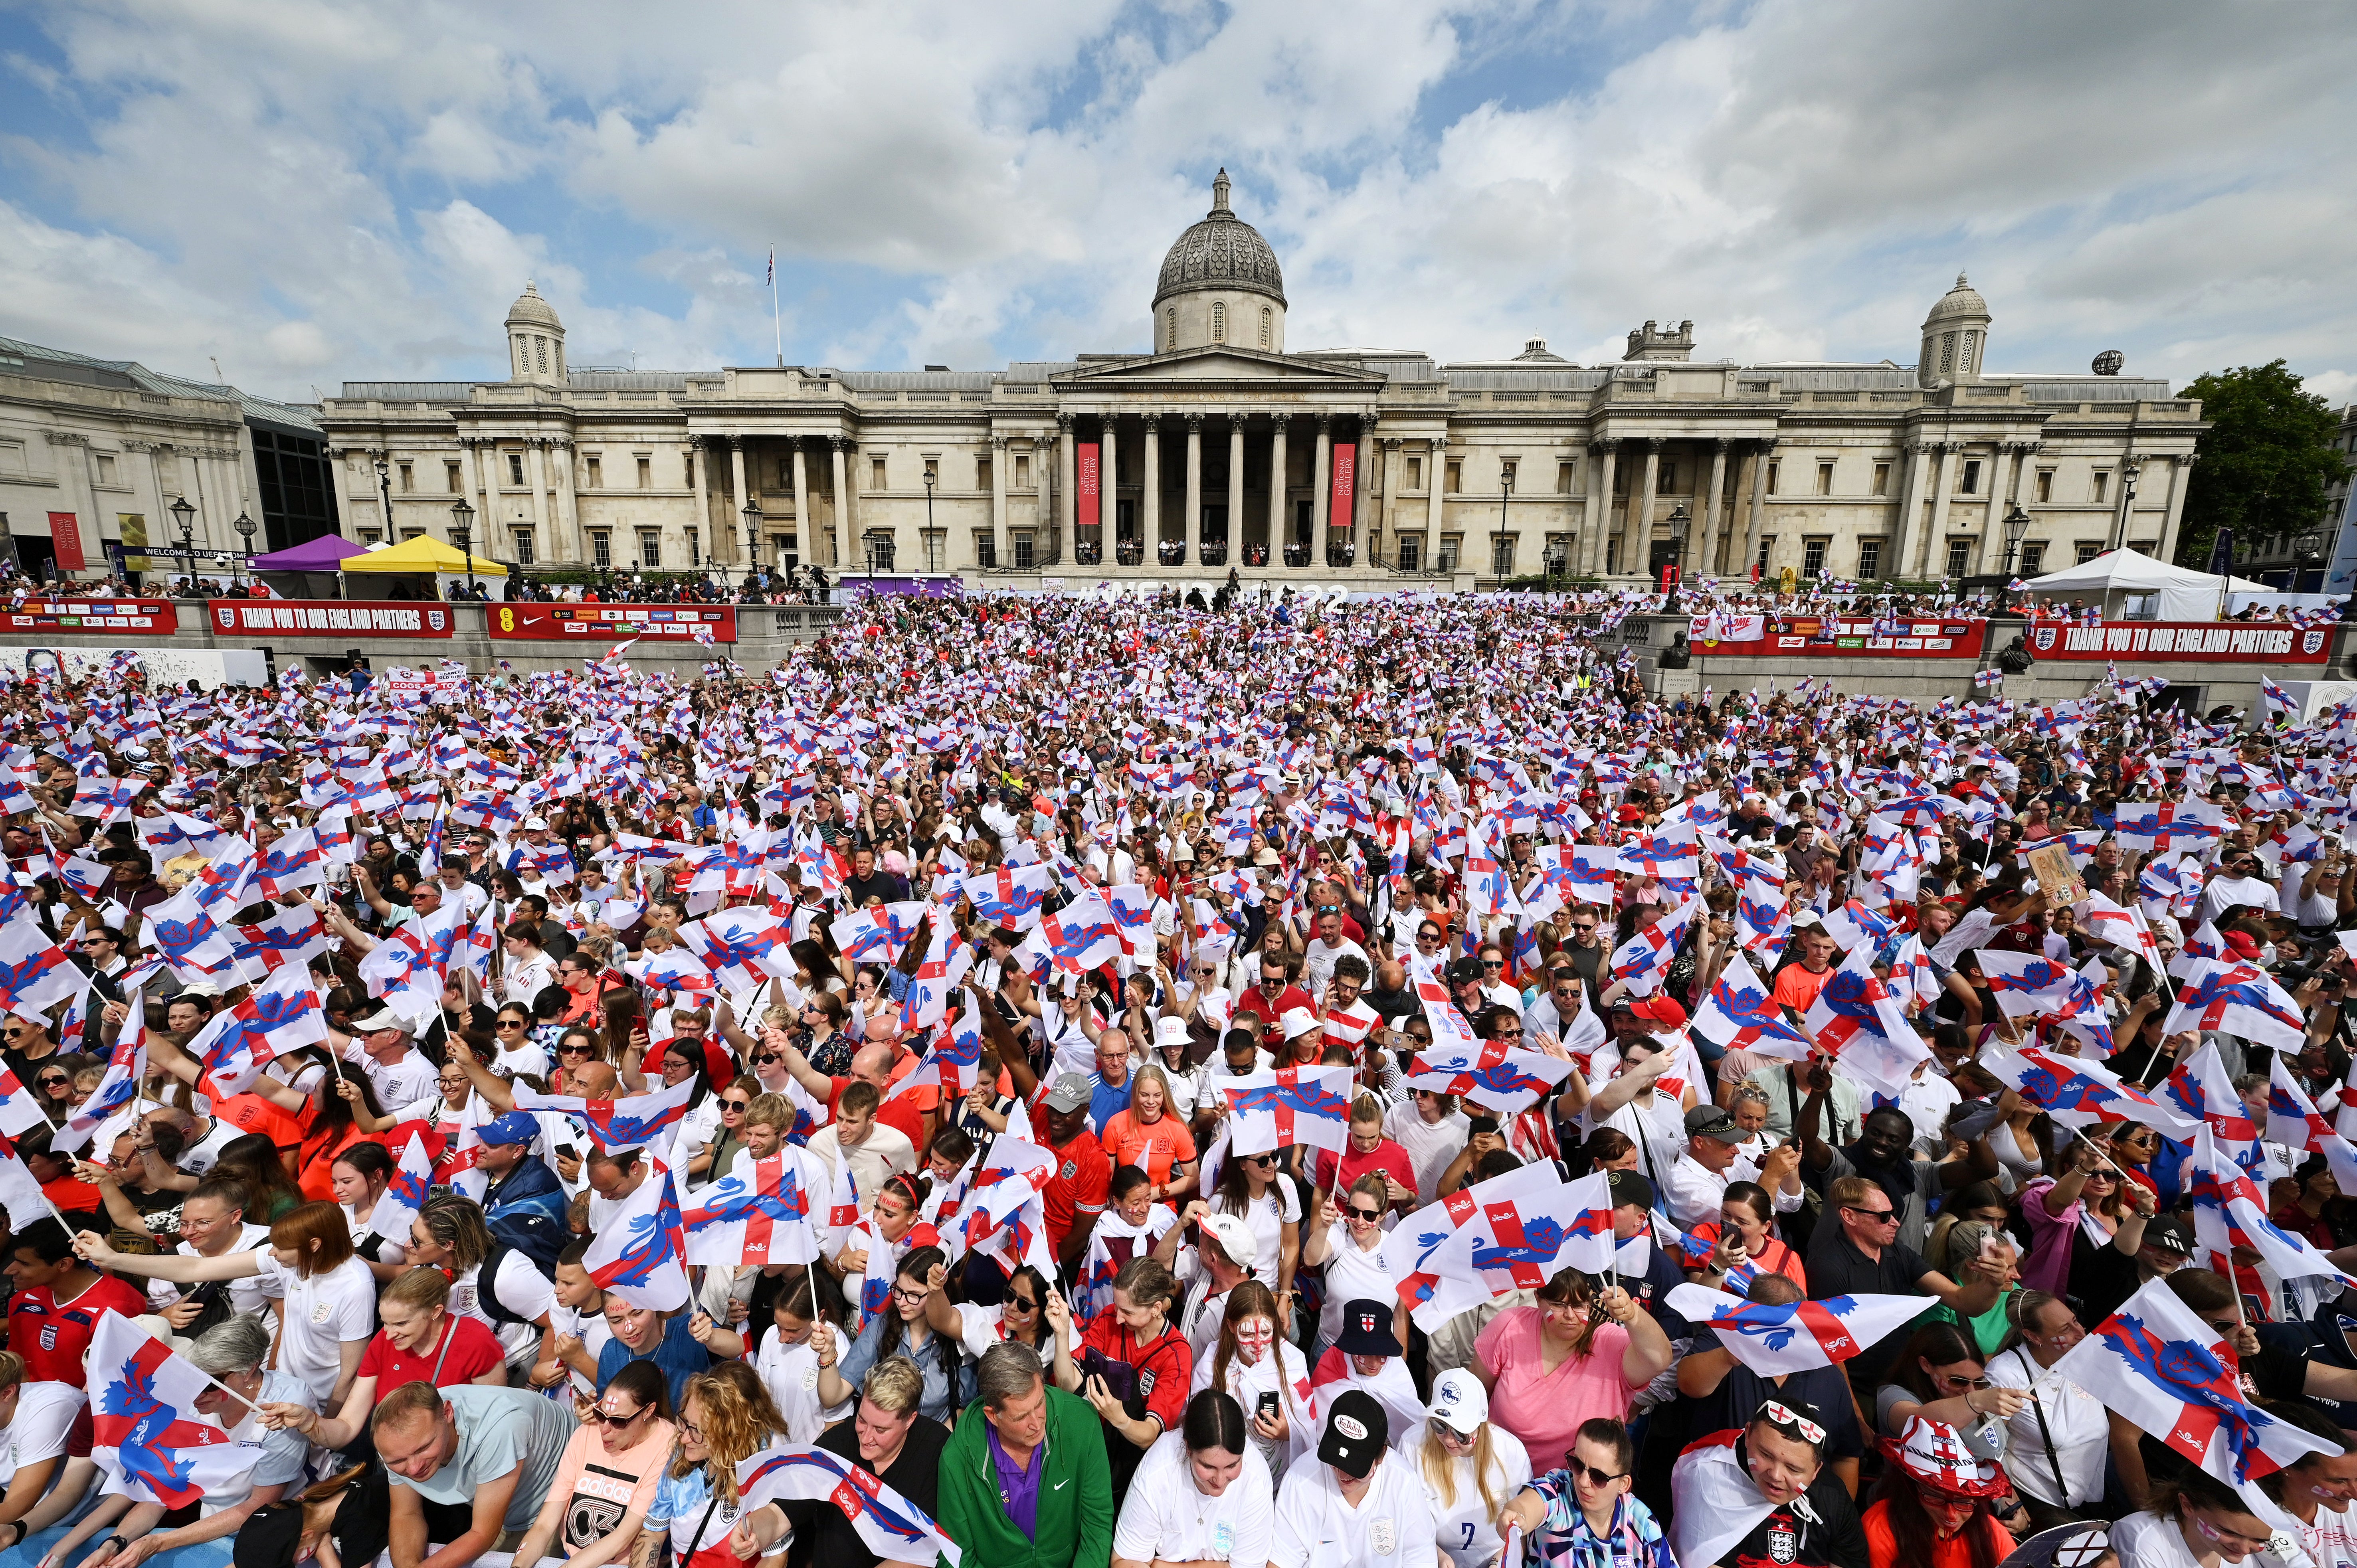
1266 317
1219 321
1170 328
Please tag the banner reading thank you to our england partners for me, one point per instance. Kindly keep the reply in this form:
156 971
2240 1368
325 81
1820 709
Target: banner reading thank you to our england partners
1835 635
2231 642
330 617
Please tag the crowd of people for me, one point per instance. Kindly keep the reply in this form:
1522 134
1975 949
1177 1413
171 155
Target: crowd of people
365 1056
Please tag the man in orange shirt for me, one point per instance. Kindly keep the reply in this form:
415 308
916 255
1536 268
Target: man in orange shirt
1797 984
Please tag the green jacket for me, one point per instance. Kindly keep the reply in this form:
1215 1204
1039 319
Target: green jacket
1074 1528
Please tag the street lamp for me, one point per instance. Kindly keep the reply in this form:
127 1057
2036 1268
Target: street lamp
462 534
932 479
384 488
184 516
1680 520
1505 494
2017 524
752 540
245 527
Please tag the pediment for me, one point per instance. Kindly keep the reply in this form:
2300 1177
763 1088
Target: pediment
1218 362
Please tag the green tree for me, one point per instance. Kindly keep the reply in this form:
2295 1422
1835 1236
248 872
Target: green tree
2264 460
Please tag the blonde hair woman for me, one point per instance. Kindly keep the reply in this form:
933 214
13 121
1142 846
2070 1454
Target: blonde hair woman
1471 1467
725 1418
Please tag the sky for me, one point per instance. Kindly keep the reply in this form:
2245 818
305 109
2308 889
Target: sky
309 193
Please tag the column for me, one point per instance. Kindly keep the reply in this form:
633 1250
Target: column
1911 511
998 556
736 496
1191 520
1278 469
805 530
1436 473
840 542
1758 504
1637 532
1363 482
537 472
1109 489
1322 476
1598 513
1939 524
1067 516
1234 520
1387 519
1149 495
569 513
2180 476
1708 558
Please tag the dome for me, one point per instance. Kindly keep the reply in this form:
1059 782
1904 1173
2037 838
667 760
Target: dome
1962 300
1220 252
530 307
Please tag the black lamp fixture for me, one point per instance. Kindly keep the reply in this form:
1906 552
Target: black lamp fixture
752 540
462 534
1680 520
384 488
1505 494
184 517
2017 524
246 527
932 479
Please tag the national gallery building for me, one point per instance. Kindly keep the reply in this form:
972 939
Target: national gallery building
1224 448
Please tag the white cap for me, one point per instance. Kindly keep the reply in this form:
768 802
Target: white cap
1171 1032
1458 1399
530 823
1235 1238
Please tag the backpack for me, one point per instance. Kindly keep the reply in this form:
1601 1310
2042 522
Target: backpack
537 1238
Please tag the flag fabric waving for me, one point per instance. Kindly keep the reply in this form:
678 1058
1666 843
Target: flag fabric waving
640 1251
1514 1231
638 1122
1738 1014
1496 1075
2078 1092
2239 999
1794 1337
760 1212
889 1525
1284 1106
2229 1212
405 1193
146 1432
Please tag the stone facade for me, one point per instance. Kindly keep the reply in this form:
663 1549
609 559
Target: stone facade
1221 449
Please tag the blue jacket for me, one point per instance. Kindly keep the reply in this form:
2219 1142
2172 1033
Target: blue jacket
531 1185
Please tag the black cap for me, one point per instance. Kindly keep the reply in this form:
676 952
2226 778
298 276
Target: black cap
1467 969
1630 1186
2168 1236
1367 1330
1355 1434
1712 1121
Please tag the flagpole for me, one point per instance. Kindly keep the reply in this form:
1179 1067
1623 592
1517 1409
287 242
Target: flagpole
776 322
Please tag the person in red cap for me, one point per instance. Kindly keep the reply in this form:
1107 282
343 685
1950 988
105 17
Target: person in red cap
1938 1504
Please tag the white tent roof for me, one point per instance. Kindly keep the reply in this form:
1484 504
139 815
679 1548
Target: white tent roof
2131 571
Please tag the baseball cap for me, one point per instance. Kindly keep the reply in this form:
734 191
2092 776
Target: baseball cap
1712 1122
1235 1238
1458 1399
1632 1187
2239 944
384 1019
515 1127
1355 1434
1071 1092
1465 969
531 823
2166 1235
1367 1330
1661 1009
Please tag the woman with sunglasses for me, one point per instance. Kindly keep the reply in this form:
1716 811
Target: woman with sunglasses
2057 1443
515 1053
2075 1212
1938 1505
1578 1350
718 1152
1470 1466
1584 1512
1264 1374
1346 1241
1270 1207
1940 1373
624 1439
52 1084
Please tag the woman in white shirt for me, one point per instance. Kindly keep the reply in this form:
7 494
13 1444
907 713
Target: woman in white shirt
34 1421
2057 1441
514 1303
1266 1376
359 1175
788 1362
1348 1241
2194 1522
1200 1495
1270 1206
1471 1466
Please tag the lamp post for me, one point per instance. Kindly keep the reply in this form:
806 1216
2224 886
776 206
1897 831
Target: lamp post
752 540
462 534
2308 553
1505 494
184 516
932 479
2017 524
1680 522
245 527
384 488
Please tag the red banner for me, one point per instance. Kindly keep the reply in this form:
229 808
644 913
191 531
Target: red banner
65 537
1834 637
613 621
2227 641
148 616
329 618
1084 484
1346 472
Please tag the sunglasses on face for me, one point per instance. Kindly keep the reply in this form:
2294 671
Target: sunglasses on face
1879 1216
574 1051
735 1104
606 1418
1368 1215
1596 1478
767 1058
510 1023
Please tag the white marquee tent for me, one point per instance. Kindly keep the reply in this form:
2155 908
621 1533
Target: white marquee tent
2118 576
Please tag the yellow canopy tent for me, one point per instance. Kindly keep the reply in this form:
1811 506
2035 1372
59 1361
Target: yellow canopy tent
425 553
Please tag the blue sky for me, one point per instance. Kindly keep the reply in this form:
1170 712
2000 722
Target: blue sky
312 193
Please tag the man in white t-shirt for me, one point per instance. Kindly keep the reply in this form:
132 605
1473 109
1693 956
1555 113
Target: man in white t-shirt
1322 948
2238 882
1212 1505
1355 1507
397 1071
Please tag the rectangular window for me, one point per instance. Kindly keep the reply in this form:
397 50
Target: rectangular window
2100 486
371 536
937 548
1960 557
1771 477
1450 546
934 469
1882 478
1869 559
1766 550
597 466
650 548
1502 555
1454 476
409 533
687 471
1416 472
694 546
1022 471
1557 556
2045 488
450 479
408 479
1411 551
1563 478
2088 550
786 549
1970 484
105 469
1812 557
515 467
1612 555
2033 560
982 473
1824 478
1022 555
878 544
785 475
646 473
985 550
1669 477
524 550
601 548
876 473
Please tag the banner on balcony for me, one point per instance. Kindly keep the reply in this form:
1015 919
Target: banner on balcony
155 616
1346 474
614 622
1085 485
328 617
65 535
1835 636
2234 642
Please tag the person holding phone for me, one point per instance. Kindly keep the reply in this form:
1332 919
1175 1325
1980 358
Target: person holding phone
1264 1374
1132 1364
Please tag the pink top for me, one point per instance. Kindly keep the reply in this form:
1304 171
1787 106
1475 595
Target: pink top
1545 1409
2048 1267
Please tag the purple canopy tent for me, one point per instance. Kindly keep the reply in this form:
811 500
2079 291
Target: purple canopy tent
313 569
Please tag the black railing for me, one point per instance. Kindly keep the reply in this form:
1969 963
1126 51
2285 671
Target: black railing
1420 569
1255 554
1129 552
1296 556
